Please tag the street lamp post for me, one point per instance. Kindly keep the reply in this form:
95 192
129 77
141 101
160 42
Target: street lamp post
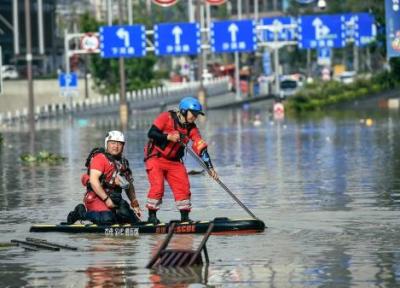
28 36
123 106
237 64
201 94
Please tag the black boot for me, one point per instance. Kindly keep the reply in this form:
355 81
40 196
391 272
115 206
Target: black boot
185 216
79 213
153 217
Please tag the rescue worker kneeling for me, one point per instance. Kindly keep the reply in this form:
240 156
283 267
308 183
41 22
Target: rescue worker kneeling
107 175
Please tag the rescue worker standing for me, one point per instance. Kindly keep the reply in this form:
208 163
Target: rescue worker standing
107 175
163 156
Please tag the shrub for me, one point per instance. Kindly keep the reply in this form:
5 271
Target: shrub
319 94
42 157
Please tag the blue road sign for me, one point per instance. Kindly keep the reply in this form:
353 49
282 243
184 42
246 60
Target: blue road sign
324 53
233 36
392 14
319 31
122 41
324 56
357 28
283 33
68 81
177 38
305 1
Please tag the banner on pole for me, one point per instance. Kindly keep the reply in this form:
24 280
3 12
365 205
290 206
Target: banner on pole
392 8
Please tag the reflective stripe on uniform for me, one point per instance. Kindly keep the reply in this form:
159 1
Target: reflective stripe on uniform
153 204
183 204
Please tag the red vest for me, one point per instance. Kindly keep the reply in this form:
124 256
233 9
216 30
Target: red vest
168 122
109 169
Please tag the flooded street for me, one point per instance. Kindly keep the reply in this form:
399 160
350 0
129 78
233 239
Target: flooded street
327 187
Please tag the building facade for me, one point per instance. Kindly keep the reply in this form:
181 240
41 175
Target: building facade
41 62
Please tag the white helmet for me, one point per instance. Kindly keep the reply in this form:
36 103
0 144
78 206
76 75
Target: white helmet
114 136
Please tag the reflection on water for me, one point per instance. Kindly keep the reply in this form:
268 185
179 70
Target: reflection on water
179 277
327 186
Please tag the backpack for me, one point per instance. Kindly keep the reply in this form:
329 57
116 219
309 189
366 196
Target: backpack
93 153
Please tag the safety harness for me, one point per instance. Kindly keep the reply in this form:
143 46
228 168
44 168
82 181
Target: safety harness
181 151
121 167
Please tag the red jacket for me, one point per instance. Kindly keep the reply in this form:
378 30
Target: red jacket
167 122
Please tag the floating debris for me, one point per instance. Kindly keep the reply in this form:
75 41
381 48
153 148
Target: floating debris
42 157
180 257
35 244
44 241
5 245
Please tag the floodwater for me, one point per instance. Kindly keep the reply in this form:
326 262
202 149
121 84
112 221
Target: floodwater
327 186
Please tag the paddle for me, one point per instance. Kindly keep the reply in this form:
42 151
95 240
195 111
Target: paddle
200 161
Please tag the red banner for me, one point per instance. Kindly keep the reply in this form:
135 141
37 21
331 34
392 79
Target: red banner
165 3
215 2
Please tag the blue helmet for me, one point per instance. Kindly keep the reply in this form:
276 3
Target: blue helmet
192 104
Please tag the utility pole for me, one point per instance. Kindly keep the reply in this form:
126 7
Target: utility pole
123 106
276 63
356 62
190 11
28 38
256 10
201 94
237 62
16 27
109 12
148 7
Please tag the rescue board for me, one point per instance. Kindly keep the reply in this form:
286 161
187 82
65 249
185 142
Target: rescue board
222 225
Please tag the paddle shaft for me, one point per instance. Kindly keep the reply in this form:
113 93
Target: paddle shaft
200 161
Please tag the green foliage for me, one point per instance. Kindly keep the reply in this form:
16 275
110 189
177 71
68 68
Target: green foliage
318 95
395 66
105 72
139 73
42 157
1 138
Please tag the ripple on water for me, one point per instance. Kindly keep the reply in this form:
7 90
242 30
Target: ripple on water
326 187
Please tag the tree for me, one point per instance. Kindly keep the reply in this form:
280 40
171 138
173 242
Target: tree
376 8
139 71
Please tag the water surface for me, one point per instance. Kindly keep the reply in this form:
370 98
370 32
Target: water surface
327 186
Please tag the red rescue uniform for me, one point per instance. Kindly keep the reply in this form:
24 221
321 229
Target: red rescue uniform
100 163
164 163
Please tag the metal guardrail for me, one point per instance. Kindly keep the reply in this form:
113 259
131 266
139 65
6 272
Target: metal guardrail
141 100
